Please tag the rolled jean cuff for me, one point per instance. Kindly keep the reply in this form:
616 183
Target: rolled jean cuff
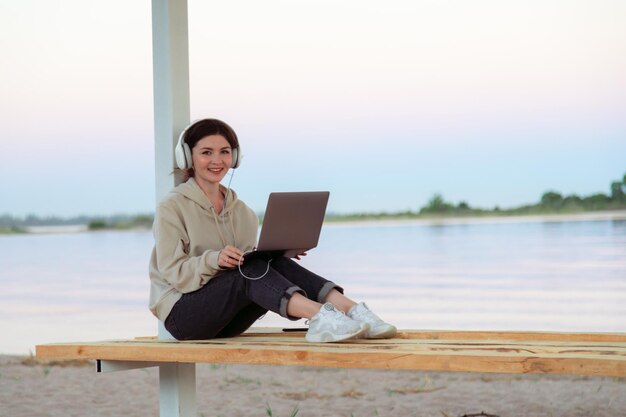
326 289
285 300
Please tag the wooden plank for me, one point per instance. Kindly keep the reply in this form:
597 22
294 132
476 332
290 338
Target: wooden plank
457 335
295 340
436 354
473 335
517 335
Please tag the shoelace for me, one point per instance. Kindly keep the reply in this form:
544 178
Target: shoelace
367 314
345 316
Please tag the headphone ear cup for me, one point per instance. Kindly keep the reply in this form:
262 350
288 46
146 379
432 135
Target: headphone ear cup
236 158
182 153
188 160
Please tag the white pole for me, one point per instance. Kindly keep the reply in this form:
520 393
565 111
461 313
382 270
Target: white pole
170 63
170 51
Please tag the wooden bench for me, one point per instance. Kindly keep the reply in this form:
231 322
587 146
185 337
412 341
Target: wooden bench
596 354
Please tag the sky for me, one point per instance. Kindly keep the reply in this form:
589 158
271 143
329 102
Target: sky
382 103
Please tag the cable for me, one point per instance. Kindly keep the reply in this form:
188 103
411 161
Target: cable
232 174
253 278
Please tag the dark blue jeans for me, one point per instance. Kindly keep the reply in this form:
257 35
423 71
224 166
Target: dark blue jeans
229 304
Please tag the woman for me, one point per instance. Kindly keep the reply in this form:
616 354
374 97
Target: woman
198 266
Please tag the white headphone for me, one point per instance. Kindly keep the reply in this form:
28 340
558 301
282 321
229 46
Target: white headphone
182 152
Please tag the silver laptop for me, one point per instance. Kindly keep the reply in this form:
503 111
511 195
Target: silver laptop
292 224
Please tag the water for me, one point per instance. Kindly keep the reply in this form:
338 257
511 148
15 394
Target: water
513 274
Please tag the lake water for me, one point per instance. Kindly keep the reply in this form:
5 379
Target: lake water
565 274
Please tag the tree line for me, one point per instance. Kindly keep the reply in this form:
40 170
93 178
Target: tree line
10 224
551 202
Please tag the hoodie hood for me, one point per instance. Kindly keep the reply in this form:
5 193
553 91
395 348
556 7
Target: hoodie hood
193 192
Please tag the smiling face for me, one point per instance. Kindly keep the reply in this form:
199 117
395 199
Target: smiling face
212 157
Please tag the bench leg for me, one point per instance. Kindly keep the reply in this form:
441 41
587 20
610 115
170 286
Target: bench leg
177 383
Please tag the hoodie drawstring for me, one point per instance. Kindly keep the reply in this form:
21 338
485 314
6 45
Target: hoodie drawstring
219 230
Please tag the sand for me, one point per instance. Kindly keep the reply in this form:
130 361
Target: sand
30 388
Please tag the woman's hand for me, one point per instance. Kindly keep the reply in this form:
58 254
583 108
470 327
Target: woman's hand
299 255
230 257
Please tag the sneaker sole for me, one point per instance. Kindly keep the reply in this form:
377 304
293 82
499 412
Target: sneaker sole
385 334
328 337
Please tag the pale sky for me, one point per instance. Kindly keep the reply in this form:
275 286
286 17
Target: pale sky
382 103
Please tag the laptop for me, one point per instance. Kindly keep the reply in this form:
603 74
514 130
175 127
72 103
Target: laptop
292 224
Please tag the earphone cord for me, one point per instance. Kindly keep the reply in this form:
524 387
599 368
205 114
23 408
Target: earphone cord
232 174
254 278
233 230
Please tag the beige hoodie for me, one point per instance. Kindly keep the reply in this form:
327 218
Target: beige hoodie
188 236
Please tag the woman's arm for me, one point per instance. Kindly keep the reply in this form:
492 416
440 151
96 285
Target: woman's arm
174 264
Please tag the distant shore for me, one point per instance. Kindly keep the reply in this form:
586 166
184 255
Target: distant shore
505 218
552 206
349 220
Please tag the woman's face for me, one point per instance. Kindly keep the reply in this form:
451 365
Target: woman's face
212 157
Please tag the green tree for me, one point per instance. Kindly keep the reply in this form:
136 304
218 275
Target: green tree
596 201
573 202
551 199
617 192
143 220
97 225
436 205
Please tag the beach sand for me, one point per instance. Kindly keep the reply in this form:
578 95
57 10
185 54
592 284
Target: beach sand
31 388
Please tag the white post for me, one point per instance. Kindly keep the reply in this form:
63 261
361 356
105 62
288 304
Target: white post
170 51
177 387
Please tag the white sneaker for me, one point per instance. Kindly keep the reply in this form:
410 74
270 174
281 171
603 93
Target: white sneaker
332 325
378 328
